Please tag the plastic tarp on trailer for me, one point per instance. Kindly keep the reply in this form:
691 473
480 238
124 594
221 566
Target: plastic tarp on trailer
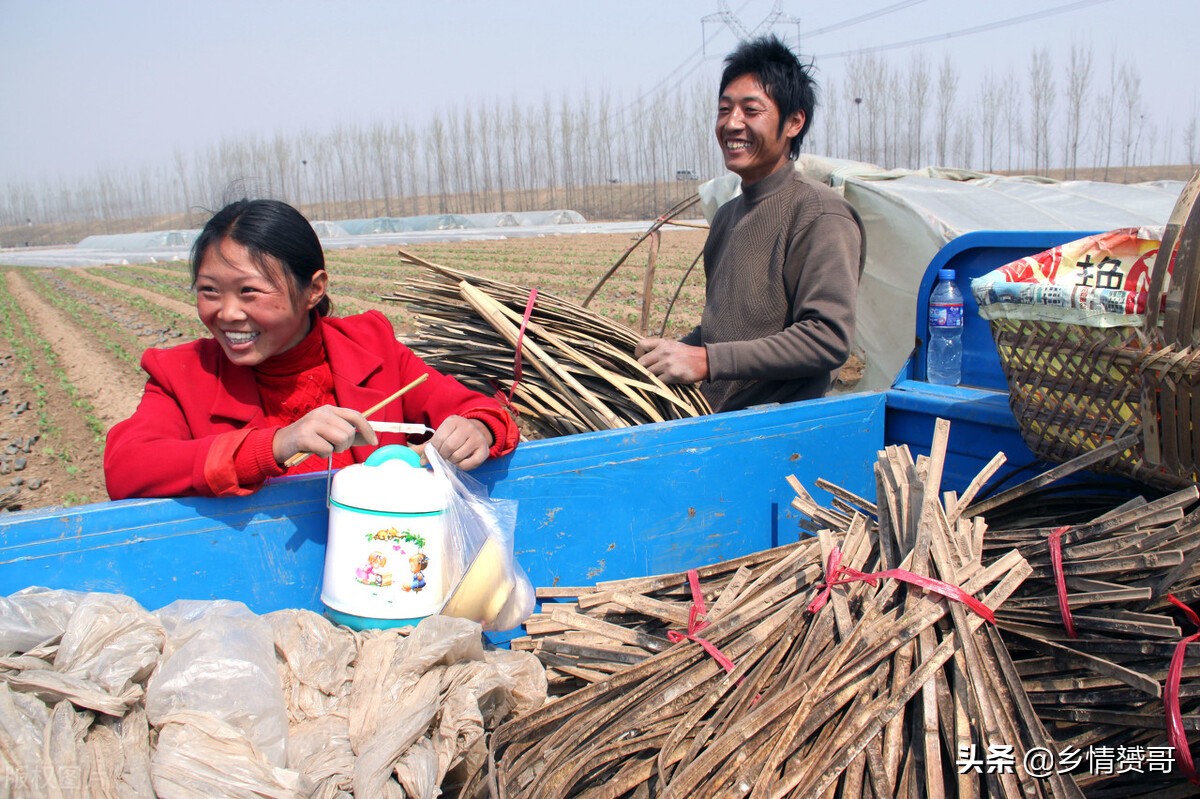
909 215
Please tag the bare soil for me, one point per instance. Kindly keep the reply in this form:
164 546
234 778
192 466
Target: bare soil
52 450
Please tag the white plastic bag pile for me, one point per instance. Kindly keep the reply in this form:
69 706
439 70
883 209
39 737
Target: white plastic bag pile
100 697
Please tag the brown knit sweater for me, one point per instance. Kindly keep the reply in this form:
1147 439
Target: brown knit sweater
781 264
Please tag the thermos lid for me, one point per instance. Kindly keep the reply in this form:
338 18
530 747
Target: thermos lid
390 480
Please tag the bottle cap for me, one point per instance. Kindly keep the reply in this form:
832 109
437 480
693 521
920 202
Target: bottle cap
945 274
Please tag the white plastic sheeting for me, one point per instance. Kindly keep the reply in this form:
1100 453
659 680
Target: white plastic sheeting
911 214
410 224
328 229
140 242
175 245
158 240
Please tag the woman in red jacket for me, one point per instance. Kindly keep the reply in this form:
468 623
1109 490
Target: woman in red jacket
279 376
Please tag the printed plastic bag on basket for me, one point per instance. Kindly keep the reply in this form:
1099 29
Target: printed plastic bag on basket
1095 281
487 584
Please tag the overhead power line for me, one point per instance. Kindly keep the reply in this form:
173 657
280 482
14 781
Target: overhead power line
861 18
697 57
698 53
967 31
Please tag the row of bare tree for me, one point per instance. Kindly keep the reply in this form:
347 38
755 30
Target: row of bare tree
1087 115
571 152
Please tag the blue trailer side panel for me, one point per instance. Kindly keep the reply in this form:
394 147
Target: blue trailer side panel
662 498
621 503
255 549
981 425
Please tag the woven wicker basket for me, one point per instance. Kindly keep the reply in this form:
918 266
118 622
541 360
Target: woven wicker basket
1073 388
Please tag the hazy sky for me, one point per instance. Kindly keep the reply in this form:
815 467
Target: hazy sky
112 84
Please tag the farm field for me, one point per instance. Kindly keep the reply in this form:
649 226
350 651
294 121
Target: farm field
71 339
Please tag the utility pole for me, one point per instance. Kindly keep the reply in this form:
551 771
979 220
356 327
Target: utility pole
858 148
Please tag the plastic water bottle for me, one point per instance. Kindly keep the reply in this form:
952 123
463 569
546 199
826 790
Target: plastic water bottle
944 364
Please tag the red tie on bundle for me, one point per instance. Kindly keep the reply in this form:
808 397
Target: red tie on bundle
836 574
1060 579
517 368
1176 735
696 623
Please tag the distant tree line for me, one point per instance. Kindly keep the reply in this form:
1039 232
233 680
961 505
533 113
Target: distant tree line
1087 115
567 152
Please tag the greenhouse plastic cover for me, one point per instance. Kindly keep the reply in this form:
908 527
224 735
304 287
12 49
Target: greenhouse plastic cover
157 240
175 245
408 224
140 242
909 215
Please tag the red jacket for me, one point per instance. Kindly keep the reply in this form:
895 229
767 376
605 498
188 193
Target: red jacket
177 443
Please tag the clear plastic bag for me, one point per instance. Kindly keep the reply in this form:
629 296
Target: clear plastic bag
487 584
220 660
34 616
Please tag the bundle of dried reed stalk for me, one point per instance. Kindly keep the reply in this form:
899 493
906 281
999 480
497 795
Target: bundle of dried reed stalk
578 372
731 679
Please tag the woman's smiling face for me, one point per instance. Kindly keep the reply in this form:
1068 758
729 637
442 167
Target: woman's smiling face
748 130
251 315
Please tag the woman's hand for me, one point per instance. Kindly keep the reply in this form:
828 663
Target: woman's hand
462 442
323 431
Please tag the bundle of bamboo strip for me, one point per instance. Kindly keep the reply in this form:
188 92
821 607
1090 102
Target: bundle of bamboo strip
763 694
577 371
1093 634
620 623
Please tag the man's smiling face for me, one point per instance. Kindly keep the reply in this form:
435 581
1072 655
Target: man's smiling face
748 130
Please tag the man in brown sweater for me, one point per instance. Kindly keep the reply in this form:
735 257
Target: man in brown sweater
782 260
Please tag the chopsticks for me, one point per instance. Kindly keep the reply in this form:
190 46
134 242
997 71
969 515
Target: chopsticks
300 457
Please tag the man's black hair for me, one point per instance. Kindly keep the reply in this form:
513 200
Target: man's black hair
786 81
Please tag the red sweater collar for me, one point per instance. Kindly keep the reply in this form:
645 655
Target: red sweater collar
309 352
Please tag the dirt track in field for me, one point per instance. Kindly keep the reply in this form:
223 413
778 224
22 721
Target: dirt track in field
107 387
51 452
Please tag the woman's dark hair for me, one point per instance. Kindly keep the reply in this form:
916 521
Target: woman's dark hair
785 80
268 229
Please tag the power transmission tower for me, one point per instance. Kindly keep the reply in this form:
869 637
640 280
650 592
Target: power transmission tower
728 19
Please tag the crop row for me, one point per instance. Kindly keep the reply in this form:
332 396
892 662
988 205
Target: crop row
52 394
140 313
102 321
171 282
